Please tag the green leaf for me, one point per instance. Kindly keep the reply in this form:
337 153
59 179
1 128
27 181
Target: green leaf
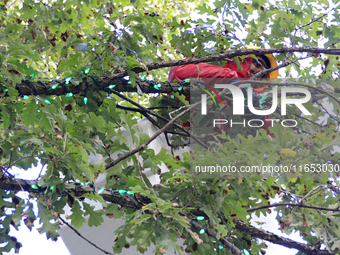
96 217
12 92
115 210
46 219
76 217
29 114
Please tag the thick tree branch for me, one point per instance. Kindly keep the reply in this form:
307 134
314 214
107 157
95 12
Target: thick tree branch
90 85
116 78
265 235
228 54
14 184
7 183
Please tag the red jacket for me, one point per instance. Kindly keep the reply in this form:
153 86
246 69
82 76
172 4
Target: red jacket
229 70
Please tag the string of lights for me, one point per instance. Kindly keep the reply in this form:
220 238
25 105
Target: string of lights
72 86
12 184
144 86
70 91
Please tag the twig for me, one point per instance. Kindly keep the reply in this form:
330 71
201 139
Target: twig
301 117
311 193
294 205
140 174
332 44
195 199
326 111
143 146
160 117
145 113
41 170
314 20
9 16
81 236
100 58
178 194
107 152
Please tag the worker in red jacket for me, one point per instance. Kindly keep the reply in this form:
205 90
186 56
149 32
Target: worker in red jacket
229 70
250 67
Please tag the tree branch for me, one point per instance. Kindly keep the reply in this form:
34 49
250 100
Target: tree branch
81 236
228 54
143 146
294 205
116 79
265 235
12 184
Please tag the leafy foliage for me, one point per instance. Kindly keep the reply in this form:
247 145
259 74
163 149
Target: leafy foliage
61 39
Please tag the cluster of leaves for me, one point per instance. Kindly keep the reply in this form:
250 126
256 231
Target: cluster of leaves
59 39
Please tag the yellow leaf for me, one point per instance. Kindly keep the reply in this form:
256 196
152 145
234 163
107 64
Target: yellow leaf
287 152
195 237
292 179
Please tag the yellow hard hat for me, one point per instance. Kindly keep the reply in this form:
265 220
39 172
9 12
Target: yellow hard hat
271 60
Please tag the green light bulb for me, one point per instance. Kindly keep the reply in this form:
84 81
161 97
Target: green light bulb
67 80
85 100
220 246
129 192
34 186
180 88
246 252
51 188
159 85
32 76
25 97
86 71
54 86
69 94
82 184
172 97
121 191
155 87
47 102
112 86
202 231
143 77
100 191
199 218
187 80
129 82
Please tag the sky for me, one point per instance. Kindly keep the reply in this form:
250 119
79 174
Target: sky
32 241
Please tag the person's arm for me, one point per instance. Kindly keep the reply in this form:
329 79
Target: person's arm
201 70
